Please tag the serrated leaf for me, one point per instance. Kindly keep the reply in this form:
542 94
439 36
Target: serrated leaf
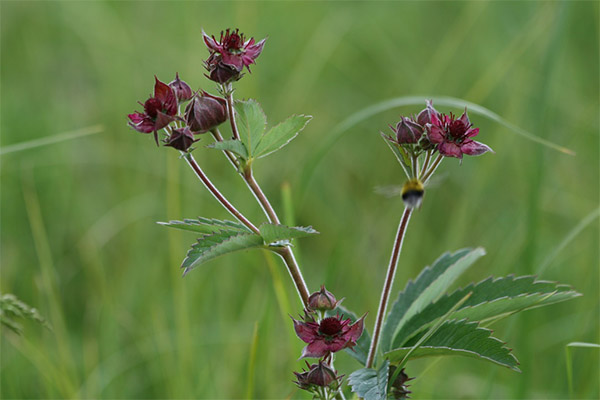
217 244
361 350
459 338
371 384
272 233
251 123
206 225
431 283
490 298
233 145
281 134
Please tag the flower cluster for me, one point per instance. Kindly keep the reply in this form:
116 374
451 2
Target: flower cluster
204 112
230 54
430 129
324 335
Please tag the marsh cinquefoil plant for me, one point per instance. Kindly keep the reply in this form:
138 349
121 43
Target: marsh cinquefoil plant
424 320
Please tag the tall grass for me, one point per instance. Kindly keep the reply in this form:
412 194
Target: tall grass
79 240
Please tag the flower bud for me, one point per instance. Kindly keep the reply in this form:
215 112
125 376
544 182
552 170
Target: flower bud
322 300
321 375
181 139
182 89
205 112
424 116
408 131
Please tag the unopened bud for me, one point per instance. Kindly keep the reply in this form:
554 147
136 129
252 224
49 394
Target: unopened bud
407 131
322 300
181 139
182 89
205 112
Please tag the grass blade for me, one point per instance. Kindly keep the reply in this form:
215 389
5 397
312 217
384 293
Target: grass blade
48 140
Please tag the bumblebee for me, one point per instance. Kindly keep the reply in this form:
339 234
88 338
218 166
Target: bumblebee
412 193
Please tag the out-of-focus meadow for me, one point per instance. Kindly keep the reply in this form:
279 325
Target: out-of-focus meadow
78 233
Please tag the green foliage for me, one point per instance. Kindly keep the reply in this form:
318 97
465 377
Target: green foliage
232 145
459 338
206 225
371 384
12 308
217 244
251 123
431 283
490 298
281 134
224 237
255 143
273 233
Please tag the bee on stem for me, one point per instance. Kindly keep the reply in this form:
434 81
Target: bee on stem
412 193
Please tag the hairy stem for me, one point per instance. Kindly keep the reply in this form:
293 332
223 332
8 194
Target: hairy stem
215 192
425 163
228 91
387 286
286 253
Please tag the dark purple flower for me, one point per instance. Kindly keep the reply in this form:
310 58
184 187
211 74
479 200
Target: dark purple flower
159 111
181 139
182 90
453 136
230 54
205 112
319 374
332 334
322 300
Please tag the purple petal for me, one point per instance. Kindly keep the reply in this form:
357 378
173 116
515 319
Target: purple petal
356 329
210 42
472 132
315 349
234 61
306 331
473 148
464 118
162 120
450 149
436 134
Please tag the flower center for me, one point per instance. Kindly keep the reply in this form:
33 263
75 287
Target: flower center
330 326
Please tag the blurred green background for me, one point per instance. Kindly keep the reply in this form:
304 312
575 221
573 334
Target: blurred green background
78 232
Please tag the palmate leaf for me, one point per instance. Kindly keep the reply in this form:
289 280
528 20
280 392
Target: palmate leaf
272 233
281 134
233 145
431 283
217 244
371 384
206 225
490 298
251 122
361 350
462 338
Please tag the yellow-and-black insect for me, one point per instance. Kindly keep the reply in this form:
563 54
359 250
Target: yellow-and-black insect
412 193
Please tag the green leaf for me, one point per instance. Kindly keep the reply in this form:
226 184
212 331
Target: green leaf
431 283
235 146
251 123
459 338
370 384
217 244
361 350
400 153
12 308
206 225
272 233
281 134
491 298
